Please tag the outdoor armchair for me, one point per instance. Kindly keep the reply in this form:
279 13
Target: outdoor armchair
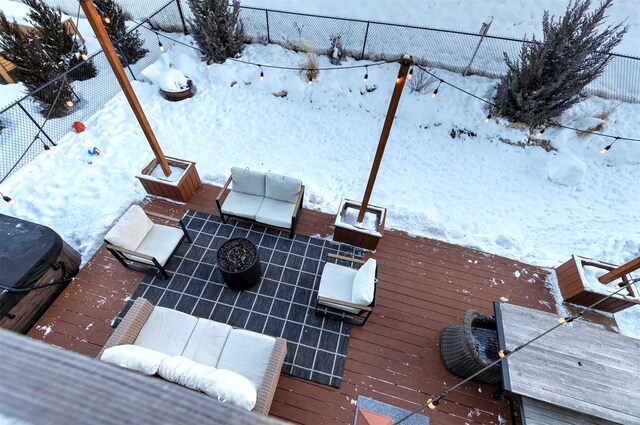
348 293
136 239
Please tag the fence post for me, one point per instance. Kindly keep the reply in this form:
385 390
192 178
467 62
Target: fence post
266 12
126 62
483 31
184 26
36 123
364 44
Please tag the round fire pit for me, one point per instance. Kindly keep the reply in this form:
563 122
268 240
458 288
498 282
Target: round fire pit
175 86
239 264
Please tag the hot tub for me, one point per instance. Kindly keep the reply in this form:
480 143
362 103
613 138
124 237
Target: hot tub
35 266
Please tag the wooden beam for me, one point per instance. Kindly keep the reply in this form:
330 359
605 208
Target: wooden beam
405 63
103 38
620 271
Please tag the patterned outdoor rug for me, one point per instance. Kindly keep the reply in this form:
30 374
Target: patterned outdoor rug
281 305
395 413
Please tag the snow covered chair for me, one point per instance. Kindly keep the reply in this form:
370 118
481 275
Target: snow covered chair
136 239
346 293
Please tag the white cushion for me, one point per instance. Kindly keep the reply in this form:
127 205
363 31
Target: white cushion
230 387
159 243
207 341
364 283
275 213
184 371
130 229
167 331
336 283
282 188
140 359
247 353
246 181
242 204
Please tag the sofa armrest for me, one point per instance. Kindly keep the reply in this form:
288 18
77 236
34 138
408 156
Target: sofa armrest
130 326
223 190
298 201
267 389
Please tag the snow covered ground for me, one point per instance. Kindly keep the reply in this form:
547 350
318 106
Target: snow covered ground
473 190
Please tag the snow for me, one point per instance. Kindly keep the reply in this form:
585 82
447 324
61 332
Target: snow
176 173
173 81
566 170
349 219
474 191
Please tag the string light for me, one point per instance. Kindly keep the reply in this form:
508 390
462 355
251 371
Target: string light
107 20
84 56
366 75
310 81
488 118
435 92
160 43
606 148
208 63
69 103
432 403
503 353
540 133
399 77
7 199
410 76
261 73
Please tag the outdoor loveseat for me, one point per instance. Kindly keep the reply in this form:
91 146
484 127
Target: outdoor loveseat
266 198
233 365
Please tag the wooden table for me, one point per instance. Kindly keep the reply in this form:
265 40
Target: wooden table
580 366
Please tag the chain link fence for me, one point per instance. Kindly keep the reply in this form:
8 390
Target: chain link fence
435 48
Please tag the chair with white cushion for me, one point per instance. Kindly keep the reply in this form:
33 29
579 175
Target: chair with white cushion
136 239
346 293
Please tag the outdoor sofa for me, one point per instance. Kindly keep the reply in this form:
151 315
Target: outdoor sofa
233 365
266 198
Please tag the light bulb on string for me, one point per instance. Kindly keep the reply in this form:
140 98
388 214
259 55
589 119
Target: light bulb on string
399 77
107 20
261 73
565 320
7 199
435 92
69 103
541 132
606 148
310 81
47 149
84 56
488 118
503 353
208 63
410 76
366 75
432 403
160 43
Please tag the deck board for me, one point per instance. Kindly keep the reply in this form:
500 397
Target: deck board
424 286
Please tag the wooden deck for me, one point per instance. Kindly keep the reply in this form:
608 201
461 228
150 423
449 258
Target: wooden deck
424 286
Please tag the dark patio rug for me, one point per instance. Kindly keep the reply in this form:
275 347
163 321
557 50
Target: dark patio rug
395 413
281 305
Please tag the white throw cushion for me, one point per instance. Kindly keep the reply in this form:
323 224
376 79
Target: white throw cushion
159 243
336 283
184 371
282 188
247 353
247 181
167 331
207 341
130 229
275 213
140 359
364 283
242 204
230 387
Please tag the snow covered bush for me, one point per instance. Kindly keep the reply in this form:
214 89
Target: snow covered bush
34 67
549 75
128 44
217 28
58 44
336 52
420 81
310 66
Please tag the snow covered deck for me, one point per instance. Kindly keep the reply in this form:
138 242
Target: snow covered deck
424 286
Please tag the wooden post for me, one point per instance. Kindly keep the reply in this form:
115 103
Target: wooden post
620 271
405 63
103 38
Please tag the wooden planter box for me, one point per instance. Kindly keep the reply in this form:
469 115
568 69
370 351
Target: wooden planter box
353 235
180 190
572 286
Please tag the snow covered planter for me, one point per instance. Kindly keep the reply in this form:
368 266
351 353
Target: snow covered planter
366 234
176 86
179 186
579 284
